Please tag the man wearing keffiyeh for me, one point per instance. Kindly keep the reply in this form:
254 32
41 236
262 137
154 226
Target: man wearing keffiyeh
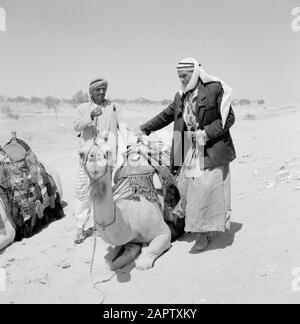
202 149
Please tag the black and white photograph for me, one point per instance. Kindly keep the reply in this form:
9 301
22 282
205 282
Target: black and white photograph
149 154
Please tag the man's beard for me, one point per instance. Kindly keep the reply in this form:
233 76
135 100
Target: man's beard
98 101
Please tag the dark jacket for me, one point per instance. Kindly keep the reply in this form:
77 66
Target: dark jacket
219 149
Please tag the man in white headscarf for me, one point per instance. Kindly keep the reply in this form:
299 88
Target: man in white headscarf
95 119
202 149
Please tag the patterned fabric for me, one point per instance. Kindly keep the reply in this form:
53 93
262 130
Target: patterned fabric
194 161
189 113
185 66
140 178
188 65
4 196
29 188
140 186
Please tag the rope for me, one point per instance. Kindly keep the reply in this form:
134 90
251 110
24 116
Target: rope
93 257
92 265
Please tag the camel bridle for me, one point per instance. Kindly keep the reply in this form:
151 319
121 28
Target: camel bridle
93 180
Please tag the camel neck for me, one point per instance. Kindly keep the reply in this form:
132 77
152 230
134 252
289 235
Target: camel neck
104 205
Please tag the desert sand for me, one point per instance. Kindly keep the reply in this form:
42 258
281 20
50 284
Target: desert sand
252 263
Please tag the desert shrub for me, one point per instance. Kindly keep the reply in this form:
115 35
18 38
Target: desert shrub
249 117
52 103
8 112
36 100
79 98
5 109
20 99
13 115
244 102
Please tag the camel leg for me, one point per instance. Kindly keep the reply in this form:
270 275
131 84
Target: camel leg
129 255
149 254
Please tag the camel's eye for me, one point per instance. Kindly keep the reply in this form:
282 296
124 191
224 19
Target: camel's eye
81 155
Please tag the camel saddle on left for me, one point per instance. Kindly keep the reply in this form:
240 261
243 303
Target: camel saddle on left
25 185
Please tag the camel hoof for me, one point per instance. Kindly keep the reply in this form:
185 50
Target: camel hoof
145 263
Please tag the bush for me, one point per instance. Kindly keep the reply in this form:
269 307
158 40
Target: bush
8 112
36 100
5 109
244 102
249 117
52 103
13 115
79 98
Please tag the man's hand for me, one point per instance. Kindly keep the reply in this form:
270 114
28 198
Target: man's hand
138 132
96 112
201 137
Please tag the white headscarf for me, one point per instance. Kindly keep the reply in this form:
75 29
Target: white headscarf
191 64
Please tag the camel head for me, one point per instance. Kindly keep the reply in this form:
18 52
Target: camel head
95 159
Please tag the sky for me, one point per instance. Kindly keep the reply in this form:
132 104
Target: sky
56 47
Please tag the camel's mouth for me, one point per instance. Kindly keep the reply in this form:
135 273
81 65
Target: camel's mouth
94 160
96 174
96 169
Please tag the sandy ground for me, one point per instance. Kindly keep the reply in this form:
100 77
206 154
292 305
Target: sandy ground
252 263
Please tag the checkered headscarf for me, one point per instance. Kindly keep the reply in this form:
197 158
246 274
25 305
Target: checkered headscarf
191 65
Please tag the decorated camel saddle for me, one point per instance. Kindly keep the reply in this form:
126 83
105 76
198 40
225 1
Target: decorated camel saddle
146 169
28 193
